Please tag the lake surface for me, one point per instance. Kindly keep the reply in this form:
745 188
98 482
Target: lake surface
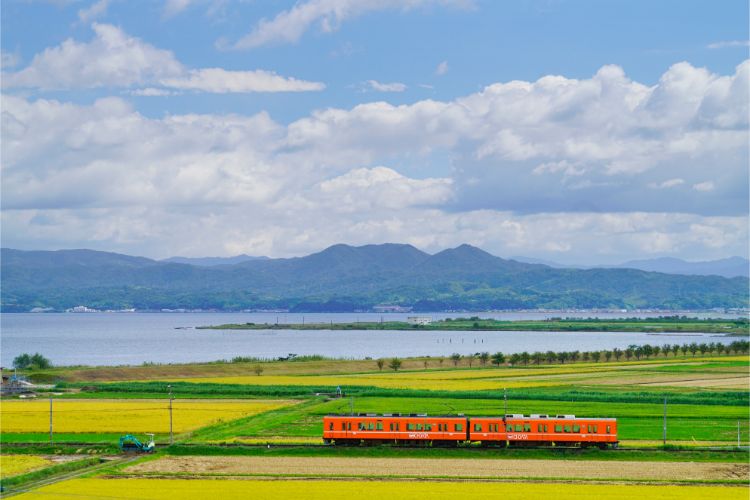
135 338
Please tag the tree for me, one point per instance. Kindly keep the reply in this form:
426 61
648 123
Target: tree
562 356
470 358
719 348
684 348
537 357
515 358
381 363
617 353
585 356
574 356
703 348
22 361
665 349
456 358
657 350
498 358
693 348
27 361
595 356
483 358
426 363
675 349
648 350
629 353
608 355
395 364
525 357
258 370
550 356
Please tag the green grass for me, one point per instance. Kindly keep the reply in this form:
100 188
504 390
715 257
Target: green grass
67 437
36 475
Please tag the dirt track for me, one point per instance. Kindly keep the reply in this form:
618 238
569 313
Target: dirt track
416 467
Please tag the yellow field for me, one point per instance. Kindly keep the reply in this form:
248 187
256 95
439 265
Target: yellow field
101 416
12 465
327 490
493 378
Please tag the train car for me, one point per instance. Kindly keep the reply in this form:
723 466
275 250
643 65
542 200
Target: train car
539 430
395 428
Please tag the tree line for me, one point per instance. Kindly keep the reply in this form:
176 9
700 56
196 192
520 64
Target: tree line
632 352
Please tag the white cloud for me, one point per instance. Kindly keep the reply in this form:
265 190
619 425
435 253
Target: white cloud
667 184
386 87
115 59
151 92
221 81
729 44
521 164
94 11
704 186
441 68
174 7
9 60
288 26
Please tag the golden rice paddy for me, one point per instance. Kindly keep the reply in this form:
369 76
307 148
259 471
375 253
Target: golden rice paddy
331 490
147 415
12 465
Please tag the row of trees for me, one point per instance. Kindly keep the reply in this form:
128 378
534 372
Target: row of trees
30 361
636 352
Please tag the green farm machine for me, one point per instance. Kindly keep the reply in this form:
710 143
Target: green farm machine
131 444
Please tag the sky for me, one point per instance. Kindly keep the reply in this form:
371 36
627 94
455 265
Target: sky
578 131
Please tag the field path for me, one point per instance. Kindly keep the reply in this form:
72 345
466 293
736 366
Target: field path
453 468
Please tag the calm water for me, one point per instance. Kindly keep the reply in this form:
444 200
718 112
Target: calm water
134 338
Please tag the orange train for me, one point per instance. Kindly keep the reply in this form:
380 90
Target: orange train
511 430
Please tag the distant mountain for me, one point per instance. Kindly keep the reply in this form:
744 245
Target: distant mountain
212 261
346 278
729 268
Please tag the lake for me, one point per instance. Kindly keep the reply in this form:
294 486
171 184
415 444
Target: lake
135 338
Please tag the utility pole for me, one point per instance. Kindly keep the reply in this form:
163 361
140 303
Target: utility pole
505 398
664 426
351 405
171 435
738 434
50 420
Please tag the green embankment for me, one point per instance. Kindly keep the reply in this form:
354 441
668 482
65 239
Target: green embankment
652 325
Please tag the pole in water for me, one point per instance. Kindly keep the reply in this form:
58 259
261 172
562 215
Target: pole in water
50 421
664 429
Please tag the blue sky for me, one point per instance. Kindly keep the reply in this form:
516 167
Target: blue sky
576 131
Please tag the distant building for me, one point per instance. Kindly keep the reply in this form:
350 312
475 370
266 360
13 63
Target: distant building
81 309
419 320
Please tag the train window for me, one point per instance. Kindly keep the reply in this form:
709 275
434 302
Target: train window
428 427
519 427
545 427
459 427
509 428
379 425
566 428
330 426
419 427
576 428
478 427
608 431
398 426
343 426
370 426
526 427
558 428
361 426
409 427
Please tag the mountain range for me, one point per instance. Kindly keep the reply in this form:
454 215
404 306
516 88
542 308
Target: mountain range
729 267
346 278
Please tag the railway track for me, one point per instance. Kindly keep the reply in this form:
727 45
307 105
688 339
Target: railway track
479 449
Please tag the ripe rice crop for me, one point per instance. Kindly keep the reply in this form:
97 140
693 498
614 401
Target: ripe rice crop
330 490
101 416
12 465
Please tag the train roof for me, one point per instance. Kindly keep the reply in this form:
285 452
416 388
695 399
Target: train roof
461 415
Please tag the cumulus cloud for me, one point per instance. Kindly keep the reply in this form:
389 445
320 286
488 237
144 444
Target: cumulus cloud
729 44
115 59
174 7
441 68
584 164
288 26
385 87
94 11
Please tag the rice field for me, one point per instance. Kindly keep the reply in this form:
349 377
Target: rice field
121 416
330 490
13 465
731 373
